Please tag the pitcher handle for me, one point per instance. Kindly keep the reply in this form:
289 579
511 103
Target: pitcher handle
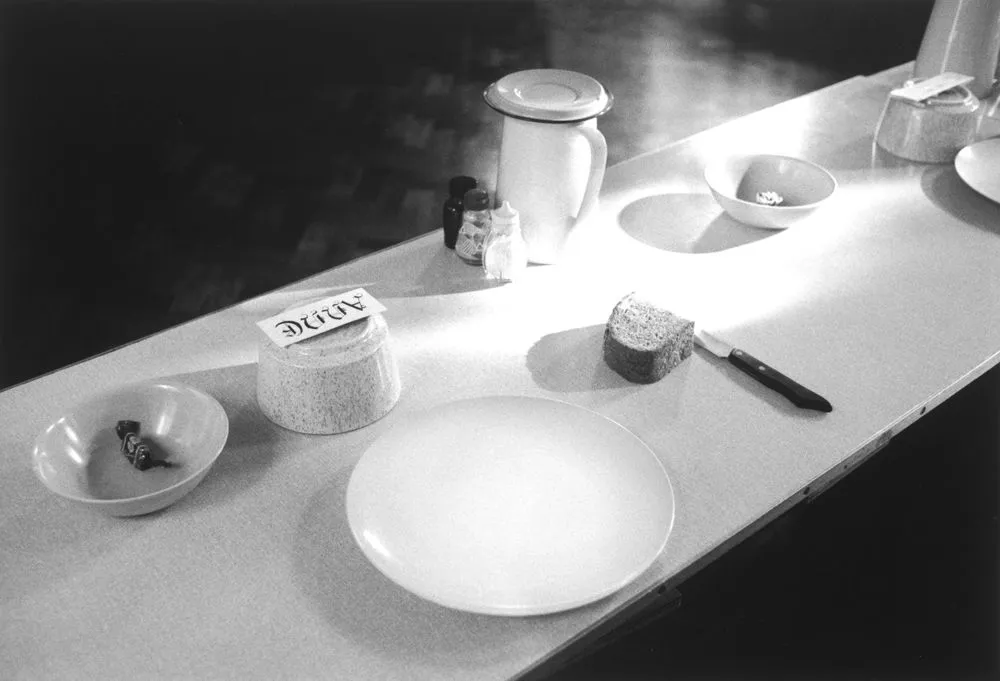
598 163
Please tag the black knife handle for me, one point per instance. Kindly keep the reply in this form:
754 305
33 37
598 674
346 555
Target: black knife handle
777 381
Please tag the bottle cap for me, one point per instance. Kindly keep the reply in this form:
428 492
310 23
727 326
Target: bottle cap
506 216
457 186
476 199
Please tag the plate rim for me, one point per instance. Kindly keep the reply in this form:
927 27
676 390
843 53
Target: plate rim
962 162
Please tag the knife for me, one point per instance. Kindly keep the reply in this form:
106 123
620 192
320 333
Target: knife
775 380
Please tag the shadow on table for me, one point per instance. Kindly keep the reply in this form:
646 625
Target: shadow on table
446 273
252 441
754 389
943 186
572 361
686 223
442 274
357 600
88 535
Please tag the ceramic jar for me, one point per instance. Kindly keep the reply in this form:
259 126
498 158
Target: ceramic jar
337 381
931 131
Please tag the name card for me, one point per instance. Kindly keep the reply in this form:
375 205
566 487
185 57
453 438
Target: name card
934 85
320 316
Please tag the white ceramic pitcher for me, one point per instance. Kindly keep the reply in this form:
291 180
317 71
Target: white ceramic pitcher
552 156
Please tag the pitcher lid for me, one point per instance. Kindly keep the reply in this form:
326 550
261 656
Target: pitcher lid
552 95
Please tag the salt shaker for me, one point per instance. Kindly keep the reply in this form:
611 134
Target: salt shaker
505 254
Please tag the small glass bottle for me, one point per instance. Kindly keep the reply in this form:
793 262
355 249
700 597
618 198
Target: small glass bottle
452 218
505 254
475 226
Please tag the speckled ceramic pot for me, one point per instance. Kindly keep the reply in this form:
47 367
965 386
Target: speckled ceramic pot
330 383
932 131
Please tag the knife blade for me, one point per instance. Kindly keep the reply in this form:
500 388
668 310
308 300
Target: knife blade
799 395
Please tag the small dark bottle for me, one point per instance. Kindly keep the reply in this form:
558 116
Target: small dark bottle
452 218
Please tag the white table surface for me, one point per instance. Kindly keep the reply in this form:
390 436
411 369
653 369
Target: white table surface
886 302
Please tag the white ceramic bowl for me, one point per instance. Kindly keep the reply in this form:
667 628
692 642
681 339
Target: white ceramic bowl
735 183
79 458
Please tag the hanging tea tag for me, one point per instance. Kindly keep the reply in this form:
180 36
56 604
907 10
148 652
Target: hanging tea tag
929 87
312 319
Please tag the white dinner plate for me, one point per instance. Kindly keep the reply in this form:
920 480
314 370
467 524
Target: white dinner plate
979 166
510 505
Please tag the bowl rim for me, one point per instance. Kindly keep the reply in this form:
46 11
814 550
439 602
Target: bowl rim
715 165
124 388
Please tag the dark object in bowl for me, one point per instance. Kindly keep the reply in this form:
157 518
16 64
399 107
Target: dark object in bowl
135 450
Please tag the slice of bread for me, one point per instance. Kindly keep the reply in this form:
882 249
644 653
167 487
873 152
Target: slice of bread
644 342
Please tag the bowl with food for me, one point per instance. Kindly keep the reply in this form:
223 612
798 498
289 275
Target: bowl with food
132 450
768 190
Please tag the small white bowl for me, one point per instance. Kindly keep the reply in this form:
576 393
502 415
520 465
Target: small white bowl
735 183
79 455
